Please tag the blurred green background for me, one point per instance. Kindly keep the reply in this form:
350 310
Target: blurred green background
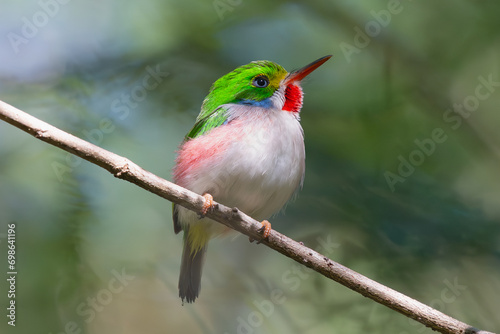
98 255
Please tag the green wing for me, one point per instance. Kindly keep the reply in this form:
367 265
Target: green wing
205 123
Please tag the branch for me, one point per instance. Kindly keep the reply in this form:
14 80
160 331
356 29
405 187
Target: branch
125 169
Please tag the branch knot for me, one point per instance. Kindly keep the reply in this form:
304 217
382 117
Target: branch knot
124 169
41 133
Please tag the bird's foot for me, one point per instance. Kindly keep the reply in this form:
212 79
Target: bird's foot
207 205
265 230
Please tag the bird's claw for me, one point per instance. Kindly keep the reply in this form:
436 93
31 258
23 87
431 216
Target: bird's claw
207 205
265 230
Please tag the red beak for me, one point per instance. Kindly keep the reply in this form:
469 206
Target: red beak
300 74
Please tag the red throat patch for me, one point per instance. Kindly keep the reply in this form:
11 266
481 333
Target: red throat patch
293 98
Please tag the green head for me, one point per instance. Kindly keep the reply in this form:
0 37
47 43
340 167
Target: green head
254 84
261 83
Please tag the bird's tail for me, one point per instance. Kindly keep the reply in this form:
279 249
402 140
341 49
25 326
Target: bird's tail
191 267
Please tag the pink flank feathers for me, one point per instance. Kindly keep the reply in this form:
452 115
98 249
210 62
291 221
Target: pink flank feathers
195 154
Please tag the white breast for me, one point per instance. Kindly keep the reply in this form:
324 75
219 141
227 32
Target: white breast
262 166
266 165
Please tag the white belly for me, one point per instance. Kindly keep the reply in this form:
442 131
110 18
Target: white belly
260 169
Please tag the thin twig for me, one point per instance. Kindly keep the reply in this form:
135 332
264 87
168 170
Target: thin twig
125 169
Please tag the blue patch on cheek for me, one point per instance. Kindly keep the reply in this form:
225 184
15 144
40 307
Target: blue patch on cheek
266 103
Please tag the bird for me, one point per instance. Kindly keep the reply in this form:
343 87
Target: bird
245 150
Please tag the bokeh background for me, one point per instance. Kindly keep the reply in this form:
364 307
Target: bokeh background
98 255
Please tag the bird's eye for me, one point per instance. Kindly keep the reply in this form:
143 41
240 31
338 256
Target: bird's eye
260 82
